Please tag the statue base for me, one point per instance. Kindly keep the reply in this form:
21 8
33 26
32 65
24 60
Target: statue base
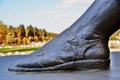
91 74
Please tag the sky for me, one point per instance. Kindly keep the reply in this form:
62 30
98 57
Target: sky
52 15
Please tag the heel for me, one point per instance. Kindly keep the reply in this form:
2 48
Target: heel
92 64
83 64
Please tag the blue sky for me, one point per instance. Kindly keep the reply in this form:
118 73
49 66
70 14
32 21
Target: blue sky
53 15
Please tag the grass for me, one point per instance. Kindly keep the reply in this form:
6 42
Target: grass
4 50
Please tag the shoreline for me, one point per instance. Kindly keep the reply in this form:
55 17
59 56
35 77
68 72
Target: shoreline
114 49
28 52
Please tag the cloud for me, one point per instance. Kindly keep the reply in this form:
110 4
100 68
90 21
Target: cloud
74 3
61 16
63 8
10 13
64 13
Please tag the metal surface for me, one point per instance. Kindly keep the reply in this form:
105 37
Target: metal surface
92 74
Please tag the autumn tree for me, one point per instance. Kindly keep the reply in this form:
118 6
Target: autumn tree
114 35
3 32
23 35
10 37
36 32
30 33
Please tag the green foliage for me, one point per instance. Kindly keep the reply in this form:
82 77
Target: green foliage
22 30
30 31
21 35
4 50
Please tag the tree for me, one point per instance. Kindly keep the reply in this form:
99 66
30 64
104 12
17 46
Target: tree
44 32
3 32
30 31
1 22
22 30
114 35
3 28
24 40
26 32
10 37
20 35
36 32
1 38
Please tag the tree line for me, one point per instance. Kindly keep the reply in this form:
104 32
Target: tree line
10 35
116 35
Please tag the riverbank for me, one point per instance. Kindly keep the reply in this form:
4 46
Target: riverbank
20 50
24 51
29 48
114 49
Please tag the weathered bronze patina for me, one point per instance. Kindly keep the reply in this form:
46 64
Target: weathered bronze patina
84 45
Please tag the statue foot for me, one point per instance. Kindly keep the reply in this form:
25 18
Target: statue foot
67 51
82 46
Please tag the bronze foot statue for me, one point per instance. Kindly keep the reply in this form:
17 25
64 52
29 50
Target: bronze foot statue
84 45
